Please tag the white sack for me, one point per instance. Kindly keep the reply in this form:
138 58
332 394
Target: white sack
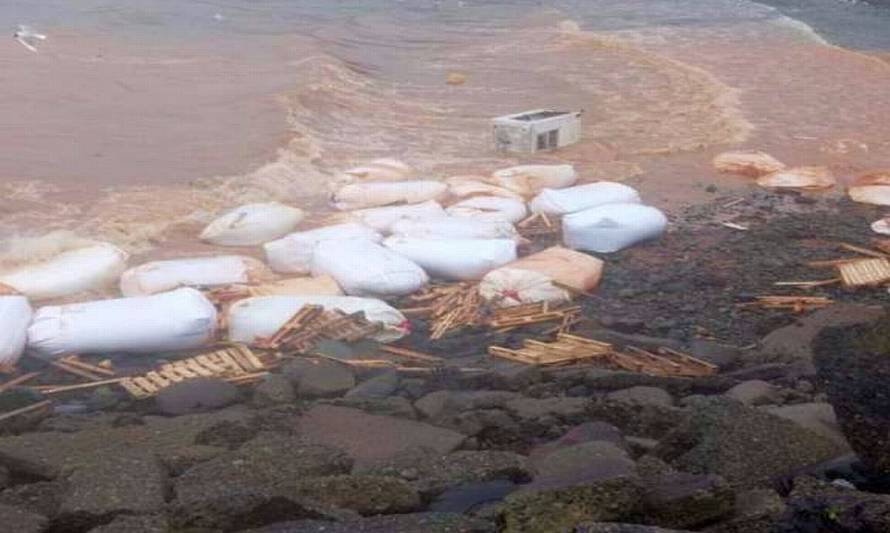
253 318
293 254
581 197
15 315
507 287
471 186
71 272
161 276
375 194
252 224
455 259
529 180
609 228
384 169
489 208
382 218
364 268
455 228
170 321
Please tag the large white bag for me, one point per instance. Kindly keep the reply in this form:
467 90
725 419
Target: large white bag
529 180
15 315
382 218
455 259
507 287
175 320
254 318
470 186
293 254
609 228
71 272
489 208
581 197
252 224
375 194
455 228
384 169
364 268
161 276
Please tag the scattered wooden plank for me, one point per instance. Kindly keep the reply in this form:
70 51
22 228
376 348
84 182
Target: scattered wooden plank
863 251
75 371
865 272
411 354
808 284
797 304
18 381
56 389
74 361
27 409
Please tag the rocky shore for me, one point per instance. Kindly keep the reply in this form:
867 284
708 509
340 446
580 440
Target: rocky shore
789 436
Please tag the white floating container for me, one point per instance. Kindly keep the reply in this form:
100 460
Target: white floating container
610 228
170 321
538 130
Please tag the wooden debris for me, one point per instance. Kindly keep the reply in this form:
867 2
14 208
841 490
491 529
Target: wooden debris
863 251
452 306
313 323
61 365
797 304
537 225
102 369
18 381
733 225
56 389
523 315
865 272
236 363
412 355
571 349
808 284
27 409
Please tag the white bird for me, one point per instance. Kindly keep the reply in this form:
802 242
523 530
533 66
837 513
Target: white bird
28 37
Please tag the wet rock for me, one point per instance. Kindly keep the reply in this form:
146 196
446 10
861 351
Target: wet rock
612 527
816 417
754 392
819 506
566 409
431 473
746 446
405 523
516 377
680 500
366 437
105 399
439 404
46 455
611 380
754 511
5 477
319 378
640 446
764 372
854 369
472 423
273 390
178 460
42 498
587 460
130 483
376 387
586 432
644 420
722 355
196 395
413 388
366 495
22 520
392 406
227 433
135 524
642 395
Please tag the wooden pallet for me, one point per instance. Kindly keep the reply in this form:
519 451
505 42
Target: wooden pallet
312 324
864 272
537 225
234 363
796 304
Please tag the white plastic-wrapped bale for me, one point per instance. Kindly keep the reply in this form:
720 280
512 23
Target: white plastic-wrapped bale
529 180
613 227
293 254
364 268
508 287
455 228
384 169
376 194
489 208
71 272
470 186
799 178
581 197
455 259
252 224
747 163
161 276
382 218
309 285
169 321
15 316
251 319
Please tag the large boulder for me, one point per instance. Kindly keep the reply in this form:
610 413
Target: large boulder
196 395
22 520
816 417
319 378
156 523
818 506
746 446
366 495
754 392
755 511
853 367
681 500
404 523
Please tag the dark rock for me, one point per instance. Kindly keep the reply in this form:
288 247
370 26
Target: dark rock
471 497
722 355
439 404
178 460
431 473
566 409
135 524
105 399
764 372
368 438
754 392
319 378
273 390
413 388
21 520
584 461
586 432
130 483
42 498
405 523
196 395
854 369
818 506
645 420
5 477
639 446
392 406
794 342
472 423
816 417
681 500
366 495
612 527
227 433
611 380
642 395
515 377
755 511
746 446
379 386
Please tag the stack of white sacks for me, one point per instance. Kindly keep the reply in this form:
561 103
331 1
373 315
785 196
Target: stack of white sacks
395 235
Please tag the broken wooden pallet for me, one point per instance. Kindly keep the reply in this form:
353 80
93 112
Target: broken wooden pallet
312 323
796 304
537 225
525 315
448 307
233 363
864 272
